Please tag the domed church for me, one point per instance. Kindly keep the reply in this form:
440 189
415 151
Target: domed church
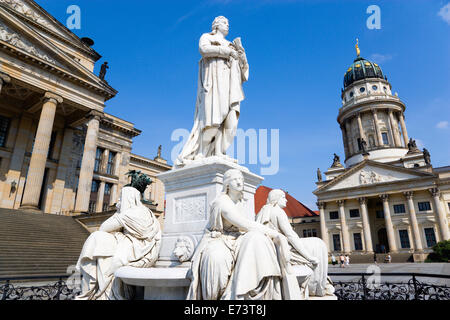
386 196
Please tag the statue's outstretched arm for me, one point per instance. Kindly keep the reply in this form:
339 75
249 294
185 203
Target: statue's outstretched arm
293 238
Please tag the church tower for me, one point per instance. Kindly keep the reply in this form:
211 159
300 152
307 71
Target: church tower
371 117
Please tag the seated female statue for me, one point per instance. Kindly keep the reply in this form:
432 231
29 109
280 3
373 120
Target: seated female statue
236 258
308 251
131 237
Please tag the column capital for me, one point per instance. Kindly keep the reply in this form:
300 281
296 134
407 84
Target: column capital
340 203
51 96
384 197
435 192
362 200
408 195
94 114
321 205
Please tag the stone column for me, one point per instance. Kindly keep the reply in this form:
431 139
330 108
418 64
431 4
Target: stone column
323 224
345 235
394 128
388 222
377 127
87 163
404 131
362 135
366 226
4 78
440 213
348 131
344 139
413 219
38 160
100 196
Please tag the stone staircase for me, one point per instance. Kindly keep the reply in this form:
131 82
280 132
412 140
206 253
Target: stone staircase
35 244
368 258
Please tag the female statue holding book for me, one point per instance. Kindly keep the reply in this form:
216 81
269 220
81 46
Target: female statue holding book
222 70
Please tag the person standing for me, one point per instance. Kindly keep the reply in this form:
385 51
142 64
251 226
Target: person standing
375 258
333 260
347 260
342 260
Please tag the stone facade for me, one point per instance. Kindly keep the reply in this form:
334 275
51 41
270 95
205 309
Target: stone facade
60 152
388 197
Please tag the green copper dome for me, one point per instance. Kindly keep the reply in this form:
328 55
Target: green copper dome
362 69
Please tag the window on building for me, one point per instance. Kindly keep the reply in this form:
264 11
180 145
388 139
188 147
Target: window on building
430 237
92 205
371 141
308 233
358 241
399 208
404 239
337 242
110 166
354 213
4 127
108 188
105 207
448 204
384 135
95 185
424 206
334 215
359 144
379 214
98 160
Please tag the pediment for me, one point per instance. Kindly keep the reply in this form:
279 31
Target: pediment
370 173
30 10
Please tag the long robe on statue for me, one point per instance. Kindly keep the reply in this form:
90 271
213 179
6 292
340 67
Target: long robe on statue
133 239
319 283
231 264
219 91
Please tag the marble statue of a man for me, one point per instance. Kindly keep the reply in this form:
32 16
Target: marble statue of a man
131 237
309 251
222 70
236 258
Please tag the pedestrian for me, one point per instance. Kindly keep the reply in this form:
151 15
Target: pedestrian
347 260
333 260
388 258
375 258
342 260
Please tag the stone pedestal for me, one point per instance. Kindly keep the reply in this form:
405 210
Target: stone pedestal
189 192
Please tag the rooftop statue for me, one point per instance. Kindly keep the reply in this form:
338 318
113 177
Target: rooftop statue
131 237
312 251
103 70
223 69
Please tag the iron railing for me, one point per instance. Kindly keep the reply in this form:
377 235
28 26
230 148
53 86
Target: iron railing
368 288
59 290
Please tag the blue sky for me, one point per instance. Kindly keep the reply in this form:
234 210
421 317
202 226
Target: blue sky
298 52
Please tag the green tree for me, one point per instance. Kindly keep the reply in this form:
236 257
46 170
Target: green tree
441 252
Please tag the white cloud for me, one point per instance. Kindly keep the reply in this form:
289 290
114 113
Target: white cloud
380 58
442 125
444 13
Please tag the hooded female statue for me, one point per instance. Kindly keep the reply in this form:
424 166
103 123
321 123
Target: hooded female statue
131 237
236 258
311 252
222 70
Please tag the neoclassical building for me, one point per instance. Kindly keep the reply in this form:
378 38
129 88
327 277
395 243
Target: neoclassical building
60 152
387 197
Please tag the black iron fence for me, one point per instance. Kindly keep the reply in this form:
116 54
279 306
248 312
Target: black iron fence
368 288
17 288
365 287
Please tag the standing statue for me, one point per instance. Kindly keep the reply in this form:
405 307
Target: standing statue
103 69
319 175
336 161
311 252
427 156
237 258
222 71
159 151
131 237
364 146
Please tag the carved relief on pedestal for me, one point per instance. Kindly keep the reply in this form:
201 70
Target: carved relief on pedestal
190 209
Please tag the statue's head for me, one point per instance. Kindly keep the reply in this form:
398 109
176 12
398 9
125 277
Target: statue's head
184 249
129 198
277 197
233 180
220 23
